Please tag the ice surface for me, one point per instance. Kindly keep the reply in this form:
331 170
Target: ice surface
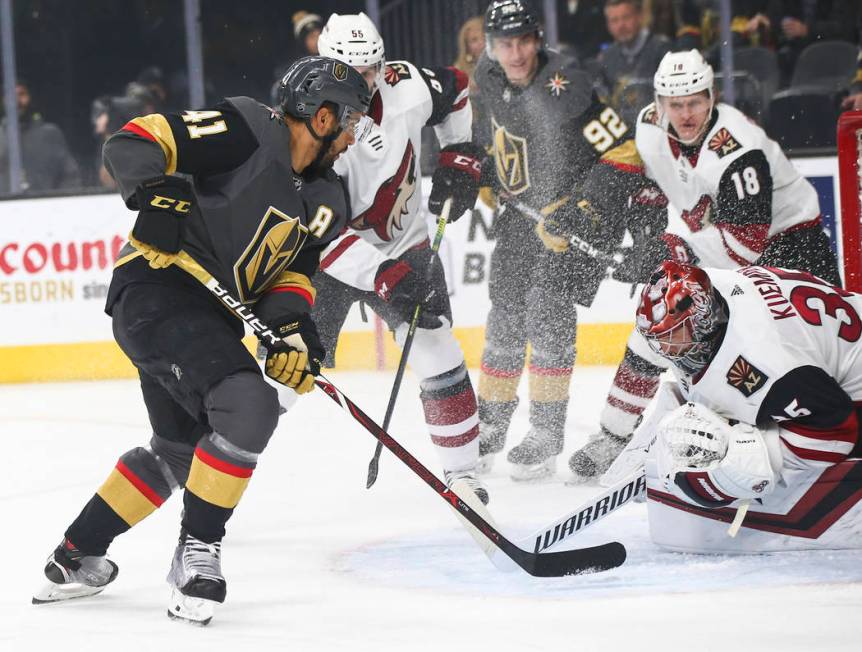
314 561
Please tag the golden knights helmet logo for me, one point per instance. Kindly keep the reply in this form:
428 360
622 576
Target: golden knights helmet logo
510 155
276 243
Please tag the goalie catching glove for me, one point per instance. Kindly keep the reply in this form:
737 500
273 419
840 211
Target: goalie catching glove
295 360
706 460
457 176
163 204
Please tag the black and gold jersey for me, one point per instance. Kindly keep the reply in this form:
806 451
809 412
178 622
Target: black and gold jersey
546 137
256 226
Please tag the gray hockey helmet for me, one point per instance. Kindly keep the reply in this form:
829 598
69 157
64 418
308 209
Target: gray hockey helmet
311 81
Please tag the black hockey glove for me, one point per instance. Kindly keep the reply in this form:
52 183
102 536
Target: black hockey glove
404 288
295 360
163 204
457 176
646 220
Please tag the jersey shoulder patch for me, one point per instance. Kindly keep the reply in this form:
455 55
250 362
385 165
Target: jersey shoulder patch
745 377
649 115
723 143
557 84
396 71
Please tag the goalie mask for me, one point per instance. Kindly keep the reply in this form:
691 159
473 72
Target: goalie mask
681 316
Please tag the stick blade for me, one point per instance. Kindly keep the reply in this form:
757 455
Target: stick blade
372 473
578 562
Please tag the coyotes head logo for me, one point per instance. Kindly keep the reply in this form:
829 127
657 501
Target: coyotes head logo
390 202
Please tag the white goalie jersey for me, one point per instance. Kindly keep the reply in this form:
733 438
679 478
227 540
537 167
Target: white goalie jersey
791 363
382 171
728 196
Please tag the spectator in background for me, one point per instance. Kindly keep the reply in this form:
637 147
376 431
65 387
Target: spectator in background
306 30
153 80
109 114
583 33
796 24
471 44
633 56
678 20
45 156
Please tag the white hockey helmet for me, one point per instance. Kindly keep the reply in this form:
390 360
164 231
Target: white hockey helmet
353 39
683 73
680 74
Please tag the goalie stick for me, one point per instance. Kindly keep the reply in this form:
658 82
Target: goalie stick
589 513
555 564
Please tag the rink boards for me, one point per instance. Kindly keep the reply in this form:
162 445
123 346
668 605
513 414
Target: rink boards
56 256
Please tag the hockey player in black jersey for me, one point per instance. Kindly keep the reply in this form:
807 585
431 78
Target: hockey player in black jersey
243 218
557 151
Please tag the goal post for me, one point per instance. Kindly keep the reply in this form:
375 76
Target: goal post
850 184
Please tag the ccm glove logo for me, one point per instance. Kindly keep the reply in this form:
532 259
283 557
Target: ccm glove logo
168 203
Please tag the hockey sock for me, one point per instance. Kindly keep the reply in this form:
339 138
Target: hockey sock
451 414
550 377
498 391
635 383
218 477
137 486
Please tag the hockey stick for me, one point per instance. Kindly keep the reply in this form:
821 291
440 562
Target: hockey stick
590 513
555 564
579 243
373 465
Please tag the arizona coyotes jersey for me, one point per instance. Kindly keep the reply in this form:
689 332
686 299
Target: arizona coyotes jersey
250 227
728 196
792 355
382 169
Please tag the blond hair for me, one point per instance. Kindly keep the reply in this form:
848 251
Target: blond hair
465 61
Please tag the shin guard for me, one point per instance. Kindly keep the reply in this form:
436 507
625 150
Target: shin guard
451 414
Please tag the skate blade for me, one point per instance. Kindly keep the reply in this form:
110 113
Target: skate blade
534 472
577 480
484 464
59 592
196 611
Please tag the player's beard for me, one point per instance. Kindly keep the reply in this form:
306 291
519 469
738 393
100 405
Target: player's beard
324 160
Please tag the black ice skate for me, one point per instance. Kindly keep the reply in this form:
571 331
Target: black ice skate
535 458
596 457
73 574
470 480
196 580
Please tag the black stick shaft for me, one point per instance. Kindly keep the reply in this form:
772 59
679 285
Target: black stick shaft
374 464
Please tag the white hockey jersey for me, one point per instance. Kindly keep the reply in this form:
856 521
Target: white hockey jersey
382 170
730 195
791 355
